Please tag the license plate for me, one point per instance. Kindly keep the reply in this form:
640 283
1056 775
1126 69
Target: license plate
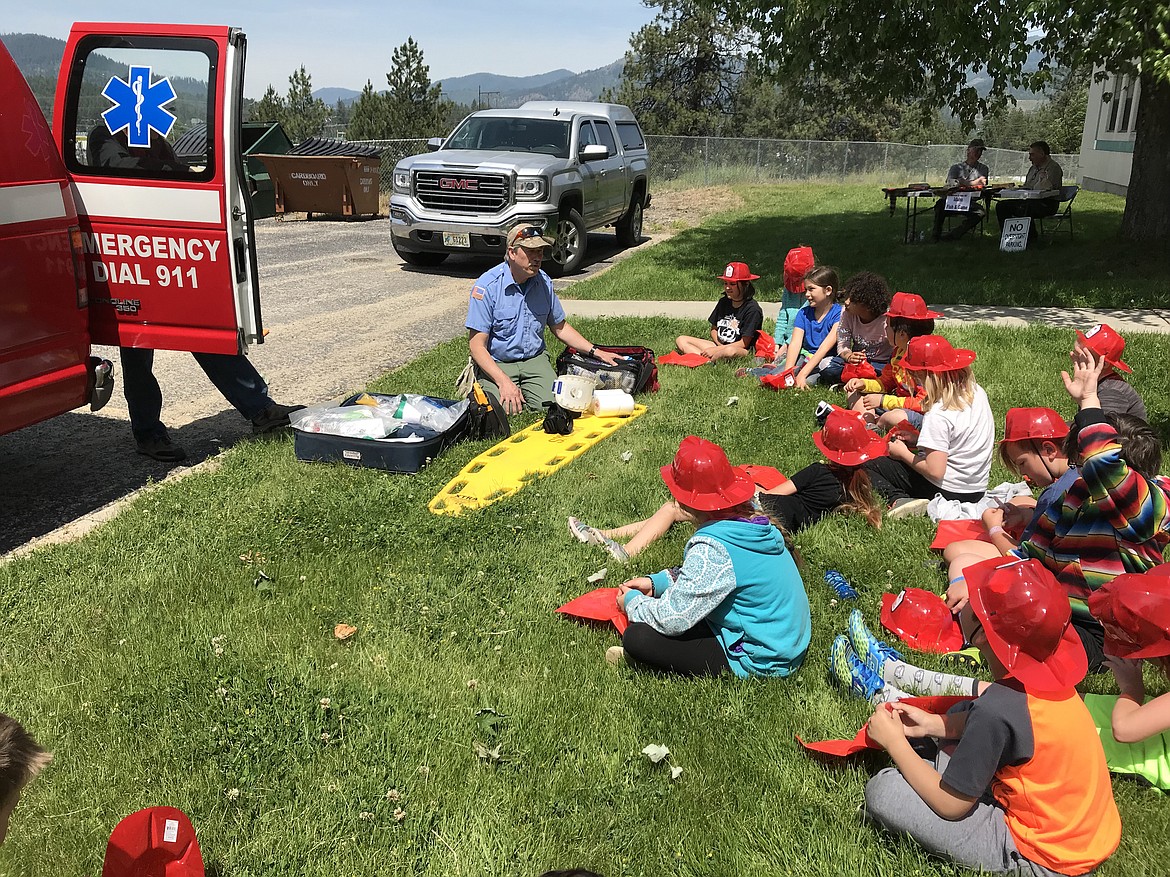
456 239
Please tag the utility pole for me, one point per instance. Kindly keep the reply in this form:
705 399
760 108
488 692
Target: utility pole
479 103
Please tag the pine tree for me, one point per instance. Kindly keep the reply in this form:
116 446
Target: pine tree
414 106
269 108
304 115
368 120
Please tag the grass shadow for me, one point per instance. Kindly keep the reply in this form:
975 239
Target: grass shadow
851 228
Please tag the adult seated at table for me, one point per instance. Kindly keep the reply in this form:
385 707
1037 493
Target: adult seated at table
970 173
509 308
1045 176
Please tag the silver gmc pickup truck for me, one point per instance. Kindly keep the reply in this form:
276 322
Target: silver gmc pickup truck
569 166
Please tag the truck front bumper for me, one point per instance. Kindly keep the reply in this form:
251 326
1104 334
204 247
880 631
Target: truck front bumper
415 233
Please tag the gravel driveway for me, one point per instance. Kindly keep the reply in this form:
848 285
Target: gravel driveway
341 308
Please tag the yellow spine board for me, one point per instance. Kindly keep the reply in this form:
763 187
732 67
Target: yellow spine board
505 468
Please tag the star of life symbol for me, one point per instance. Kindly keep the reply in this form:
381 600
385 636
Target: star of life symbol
139 106
37 141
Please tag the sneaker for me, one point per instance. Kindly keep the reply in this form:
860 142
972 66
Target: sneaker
615 655
872 651
581 531
616 550
273 417
161 448
741 372
968 660
837 388
850 673
907 507
821 413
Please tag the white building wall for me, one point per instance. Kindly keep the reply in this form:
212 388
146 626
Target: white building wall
1109 134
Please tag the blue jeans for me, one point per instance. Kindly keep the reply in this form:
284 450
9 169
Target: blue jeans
914 418
831 367
234 376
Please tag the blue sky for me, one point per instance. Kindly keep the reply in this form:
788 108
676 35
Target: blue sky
346 42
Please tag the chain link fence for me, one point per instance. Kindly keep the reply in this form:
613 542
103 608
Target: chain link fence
706 161
709 161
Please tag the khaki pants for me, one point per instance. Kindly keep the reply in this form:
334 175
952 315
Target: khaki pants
533 376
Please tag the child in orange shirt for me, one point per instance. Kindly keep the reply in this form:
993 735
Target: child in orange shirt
1017 779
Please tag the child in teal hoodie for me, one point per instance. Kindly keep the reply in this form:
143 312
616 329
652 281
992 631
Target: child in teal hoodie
737 602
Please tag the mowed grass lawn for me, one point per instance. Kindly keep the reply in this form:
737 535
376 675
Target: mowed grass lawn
466 729
849 226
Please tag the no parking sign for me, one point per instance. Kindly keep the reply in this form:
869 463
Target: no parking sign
1014 237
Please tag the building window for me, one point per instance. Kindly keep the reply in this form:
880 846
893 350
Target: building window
1127 105
1114 103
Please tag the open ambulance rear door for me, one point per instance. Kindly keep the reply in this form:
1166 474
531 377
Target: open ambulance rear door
167 238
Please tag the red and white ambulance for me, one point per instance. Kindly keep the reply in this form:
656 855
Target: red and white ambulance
107 236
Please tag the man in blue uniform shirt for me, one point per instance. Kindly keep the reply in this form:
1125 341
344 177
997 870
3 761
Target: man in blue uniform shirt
510 307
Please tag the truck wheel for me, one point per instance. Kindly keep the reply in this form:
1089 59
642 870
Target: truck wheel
569 252
629 227
420 260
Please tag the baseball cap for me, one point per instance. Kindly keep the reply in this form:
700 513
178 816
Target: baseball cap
530 236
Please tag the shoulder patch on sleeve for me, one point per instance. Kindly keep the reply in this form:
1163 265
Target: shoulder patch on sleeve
477 292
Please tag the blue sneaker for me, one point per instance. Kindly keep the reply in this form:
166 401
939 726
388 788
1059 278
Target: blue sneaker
872 651
850 673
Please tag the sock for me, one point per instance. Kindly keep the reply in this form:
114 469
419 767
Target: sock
928 682
888 694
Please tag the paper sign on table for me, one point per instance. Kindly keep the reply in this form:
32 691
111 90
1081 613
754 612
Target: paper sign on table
959 202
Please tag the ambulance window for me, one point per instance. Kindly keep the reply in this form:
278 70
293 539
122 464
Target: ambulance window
143 107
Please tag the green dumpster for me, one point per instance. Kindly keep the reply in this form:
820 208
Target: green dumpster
255 137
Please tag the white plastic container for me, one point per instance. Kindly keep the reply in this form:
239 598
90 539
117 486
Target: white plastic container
574 392
612 403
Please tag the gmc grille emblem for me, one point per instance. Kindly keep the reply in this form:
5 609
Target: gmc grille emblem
452 183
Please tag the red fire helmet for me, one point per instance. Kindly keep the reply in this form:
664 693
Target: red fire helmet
933 353
922 620
844 439
1024 424
154 841
1135 610
738 272
702 478
1106 343
797 264
911 307
1026 615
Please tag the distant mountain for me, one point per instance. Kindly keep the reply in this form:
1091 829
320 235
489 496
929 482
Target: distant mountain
466 89
34 54
581 86
511 91
982 82
332 95
39 60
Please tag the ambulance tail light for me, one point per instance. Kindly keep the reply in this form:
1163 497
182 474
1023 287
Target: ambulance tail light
78 267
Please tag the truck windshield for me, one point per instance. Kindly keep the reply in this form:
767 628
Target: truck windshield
546 136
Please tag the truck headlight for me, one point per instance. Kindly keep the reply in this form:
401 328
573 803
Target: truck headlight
402 181
530 188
